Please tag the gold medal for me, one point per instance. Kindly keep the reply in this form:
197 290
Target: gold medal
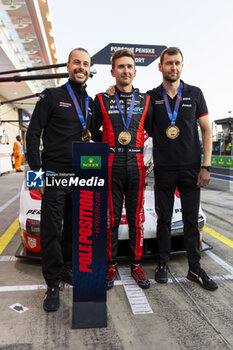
86 136
124 138
173 132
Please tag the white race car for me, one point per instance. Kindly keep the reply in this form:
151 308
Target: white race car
29 219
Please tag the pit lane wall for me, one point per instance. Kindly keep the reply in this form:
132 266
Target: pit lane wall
222 161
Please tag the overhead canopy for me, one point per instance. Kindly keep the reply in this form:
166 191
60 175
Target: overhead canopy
26 37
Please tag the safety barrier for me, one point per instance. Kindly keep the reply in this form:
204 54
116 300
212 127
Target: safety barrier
5 159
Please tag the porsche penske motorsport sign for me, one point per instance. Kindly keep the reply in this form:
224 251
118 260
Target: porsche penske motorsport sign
144 54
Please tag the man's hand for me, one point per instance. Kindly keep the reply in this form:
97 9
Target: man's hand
111 90
39 190
203 178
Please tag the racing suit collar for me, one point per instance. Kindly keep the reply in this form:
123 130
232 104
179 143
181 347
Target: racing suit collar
122 94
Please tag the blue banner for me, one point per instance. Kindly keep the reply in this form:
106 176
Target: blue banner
90 164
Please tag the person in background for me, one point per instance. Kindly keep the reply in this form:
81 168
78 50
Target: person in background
177 161
18 153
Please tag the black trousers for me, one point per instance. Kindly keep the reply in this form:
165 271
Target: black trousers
165 185
56 233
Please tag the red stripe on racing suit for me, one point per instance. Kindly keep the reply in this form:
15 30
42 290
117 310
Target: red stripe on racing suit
140 206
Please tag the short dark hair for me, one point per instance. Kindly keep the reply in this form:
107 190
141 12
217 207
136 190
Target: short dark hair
122 53
171 51
18 137
77 49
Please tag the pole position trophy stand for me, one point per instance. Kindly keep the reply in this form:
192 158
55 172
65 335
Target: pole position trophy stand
90 164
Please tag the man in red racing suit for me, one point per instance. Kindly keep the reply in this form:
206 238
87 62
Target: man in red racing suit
124 117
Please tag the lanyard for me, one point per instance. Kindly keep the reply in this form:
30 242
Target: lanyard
78 109
172 116
129 116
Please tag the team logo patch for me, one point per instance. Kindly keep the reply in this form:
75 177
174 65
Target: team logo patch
187 105
65 104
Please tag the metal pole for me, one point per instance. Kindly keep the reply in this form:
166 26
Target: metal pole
18 78
30 69
19 99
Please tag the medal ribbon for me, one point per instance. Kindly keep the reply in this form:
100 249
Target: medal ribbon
172 116
77 106
129 116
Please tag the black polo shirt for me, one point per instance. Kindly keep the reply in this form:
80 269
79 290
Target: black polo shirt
183 152
56 115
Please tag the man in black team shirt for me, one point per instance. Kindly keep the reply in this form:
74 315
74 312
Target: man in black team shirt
124 117
63 115
177 161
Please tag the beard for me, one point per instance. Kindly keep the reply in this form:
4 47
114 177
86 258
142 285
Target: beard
171 79
79 80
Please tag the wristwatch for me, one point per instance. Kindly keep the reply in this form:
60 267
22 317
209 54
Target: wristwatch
208 168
